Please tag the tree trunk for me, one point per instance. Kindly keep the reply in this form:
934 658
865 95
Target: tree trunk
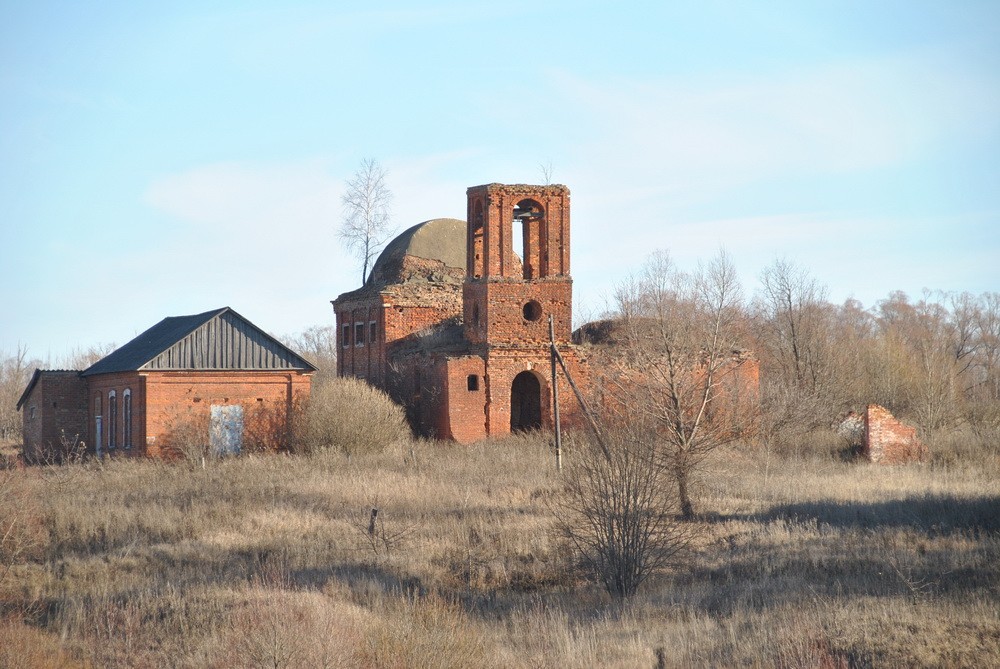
687 510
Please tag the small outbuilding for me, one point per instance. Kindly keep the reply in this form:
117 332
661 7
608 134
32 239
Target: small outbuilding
210 380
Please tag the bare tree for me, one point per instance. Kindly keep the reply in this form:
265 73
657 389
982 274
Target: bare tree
15 372
367 214
684 373
546 170
82 358
318 345
795 315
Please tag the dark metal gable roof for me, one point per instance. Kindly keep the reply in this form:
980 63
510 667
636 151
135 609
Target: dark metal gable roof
215 340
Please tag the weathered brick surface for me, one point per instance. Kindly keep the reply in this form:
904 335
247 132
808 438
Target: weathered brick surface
501 306
398 313
99 388
56 403
450 352
464 414
160 404
889 441
174 400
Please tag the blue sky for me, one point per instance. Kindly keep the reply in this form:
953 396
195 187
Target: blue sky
168 158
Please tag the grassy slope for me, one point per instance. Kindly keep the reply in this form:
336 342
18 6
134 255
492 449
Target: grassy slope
263 562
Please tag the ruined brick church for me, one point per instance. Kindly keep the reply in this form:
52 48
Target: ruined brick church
453 323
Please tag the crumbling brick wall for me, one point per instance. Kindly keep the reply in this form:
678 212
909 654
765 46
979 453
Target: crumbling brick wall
889 441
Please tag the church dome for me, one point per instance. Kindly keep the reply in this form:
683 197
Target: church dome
434 250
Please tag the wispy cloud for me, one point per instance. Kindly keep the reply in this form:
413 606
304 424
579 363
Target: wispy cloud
693 140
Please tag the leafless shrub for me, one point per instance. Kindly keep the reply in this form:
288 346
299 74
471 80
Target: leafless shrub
62 464
350 416
619 512
267 426
21 522
380 540
187 437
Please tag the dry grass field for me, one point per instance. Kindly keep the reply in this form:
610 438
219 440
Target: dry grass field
801 560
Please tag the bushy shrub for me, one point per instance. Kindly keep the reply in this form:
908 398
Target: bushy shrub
351 416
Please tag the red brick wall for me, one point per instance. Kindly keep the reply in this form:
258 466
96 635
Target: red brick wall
398 314
889 441
465 408
501 305
502 365
502 338
175 399
59 403
547 239
102 385
367 360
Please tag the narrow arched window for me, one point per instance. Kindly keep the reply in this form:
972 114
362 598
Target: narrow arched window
127 419
98 425
112 420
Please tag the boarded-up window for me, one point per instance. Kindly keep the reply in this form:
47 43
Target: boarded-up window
372 332
345 336
225 432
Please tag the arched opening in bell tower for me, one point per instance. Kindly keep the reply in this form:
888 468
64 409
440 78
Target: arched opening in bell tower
476 260
529 217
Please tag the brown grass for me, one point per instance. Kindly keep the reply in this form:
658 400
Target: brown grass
803 561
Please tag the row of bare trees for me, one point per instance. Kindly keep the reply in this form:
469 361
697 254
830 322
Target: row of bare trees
935 360
681 379
16 368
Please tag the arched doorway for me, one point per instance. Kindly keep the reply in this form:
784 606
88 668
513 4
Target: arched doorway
525 403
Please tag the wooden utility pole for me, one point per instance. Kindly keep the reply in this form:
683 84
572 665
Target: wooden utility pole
554 353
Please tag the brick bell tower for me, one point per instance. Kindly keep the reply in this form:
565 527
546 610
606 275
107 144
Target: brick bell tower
509 293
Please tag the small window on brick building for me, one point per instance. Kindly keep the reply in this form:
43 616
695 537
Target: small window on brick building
532 310
372 332
473 382
345 335
359 334
475 314
31 413
127 419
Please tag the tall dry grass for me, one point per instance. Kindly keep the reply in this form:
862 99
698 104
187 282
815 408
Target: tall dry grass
802 560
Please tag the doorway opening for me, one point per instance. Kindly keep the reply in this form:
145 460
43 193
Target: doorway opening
525 403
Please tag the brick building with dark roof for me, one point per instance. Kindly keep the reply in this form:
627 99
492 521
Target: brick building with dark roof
212 378
454 324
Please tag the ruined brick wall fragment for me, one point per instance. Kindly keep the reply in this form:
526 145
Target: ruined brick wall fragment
890 441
